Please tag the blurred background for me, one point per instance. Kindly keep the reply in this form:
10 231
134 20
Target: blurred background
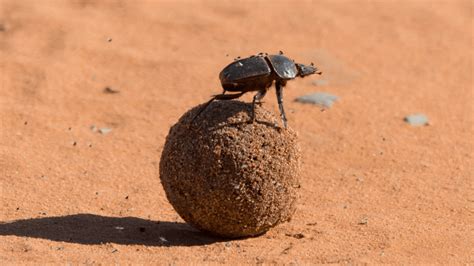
89 90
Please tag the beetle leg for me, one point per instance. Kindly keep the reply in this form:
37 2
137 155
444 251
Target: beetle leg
203 108
222 96
279 93
256 99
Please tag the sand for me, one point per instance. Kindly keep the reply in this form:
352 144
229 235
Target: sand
373 188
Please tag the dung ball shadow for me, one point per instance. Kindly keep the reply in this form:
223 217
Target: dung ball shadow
91 229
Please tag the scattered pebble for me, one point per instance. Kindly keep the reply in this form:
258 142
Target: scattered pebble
319 98
26 123
104 130
119 227
74 143
297 236
110 90
363 221
109 39
114 250
162 239
286 250
417 120
320 82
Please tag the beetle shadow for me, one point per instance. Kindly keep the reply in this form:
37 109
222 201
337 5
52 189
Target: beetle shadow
218 112
91 229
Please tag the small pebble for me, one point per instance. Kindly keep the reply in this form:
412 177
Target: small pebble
417 120
363 221
297 236
119 227
104 130
110 90
162 239
320 82
319 98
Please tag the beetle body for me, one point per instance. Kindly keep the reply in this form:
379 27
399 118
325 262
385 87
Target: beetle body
257 73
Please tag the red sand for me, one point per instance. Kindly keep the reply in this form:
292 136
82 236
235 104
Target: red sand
374 189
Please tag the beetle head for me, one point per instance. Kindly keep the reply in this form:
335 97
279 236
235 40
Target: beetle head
304 70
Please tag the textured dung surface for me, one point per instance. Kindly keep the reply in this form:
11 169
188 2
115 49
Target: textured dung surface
229 177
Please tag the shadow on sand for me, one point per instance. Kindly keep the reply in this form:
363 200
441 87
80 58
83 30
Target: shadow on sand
93 229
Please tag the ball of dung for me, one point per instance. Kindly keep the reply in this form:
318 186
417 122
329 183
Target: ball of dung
229 177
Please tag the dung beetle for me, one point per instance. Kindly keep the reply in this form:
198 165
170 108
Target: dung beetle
257 73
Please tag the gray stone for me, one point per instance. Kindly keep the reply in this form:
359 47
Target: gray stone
105 130
417 120
319 98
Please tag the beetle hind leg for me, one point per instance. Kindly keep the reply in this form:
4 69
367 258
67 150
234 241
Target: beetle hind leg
222 96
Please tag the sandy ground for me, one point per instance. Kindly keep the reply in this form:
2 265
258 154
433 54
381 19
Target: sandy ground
374 189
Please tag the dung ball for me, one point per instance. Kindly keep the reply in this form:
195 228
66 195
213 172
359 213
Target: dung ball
227 176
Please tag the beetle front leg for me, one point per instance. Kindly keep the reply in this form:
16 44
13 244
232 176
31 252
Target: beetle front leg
279 94
256 99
